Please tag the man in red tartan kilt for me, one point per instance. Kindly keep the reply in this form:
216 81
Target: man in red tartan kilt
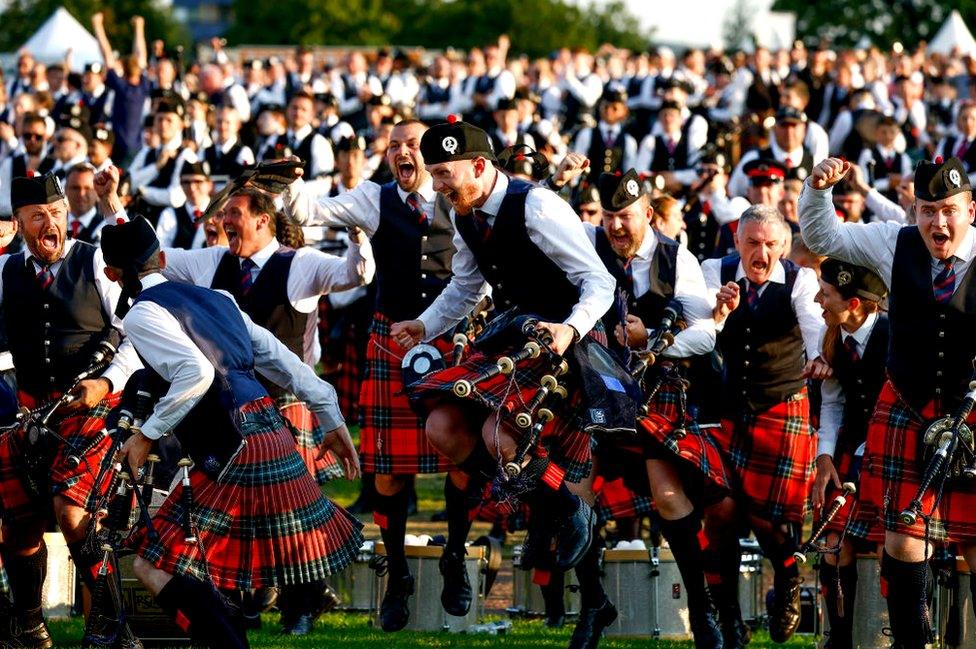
928 269
682 471
855 346
528 246
256 516
279 288
769 325
58 311
411 232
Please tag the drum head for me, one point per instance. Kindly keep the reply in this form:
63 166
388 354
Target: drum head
419 362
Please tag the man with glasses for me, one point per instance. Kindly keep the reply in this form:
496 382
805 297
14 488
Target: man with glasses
26 159
70 143
178 227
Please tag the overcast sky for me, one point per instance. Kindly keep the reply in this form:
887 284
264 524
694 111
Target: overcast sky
689 21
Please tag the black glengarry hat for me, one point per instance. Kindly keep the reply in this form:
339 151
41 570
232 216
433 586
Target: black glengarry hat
455 140
853 281
35 190
617 191
935 181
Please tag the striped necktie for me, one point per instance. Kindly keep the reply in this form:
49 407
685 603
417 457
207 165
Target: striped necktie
45 277
413 202
752 295
851 346
945 282
247 277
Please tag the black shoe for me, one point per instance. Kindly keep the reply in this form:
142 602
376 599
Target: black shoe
574 536
395 609
439 516
456 594
785 614
735 633
590 625
330 600
301 626
264 599
706 630
27 629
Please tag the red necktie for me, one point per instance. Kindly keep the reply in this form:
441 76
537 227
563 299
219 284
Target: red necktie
851 346
45 277
413 202
788 162
75 228
961 151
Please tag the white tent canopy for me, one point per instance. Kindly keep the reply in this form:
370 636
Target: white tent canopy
59 33
953 35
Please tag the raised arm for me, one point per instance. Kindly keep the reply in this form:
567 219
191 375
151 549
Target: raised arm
98 26
139 49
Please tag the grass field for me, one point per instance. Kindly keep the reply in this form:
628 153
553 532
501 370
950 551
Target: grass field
353 630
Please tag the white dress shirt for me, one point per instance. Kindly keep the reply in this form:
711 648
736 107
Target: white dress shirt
881 181
313 272
557 231
645 156
808 312
698 337
359 207
168 221
142 174
832 394
585 138
865 244
161 341
125 362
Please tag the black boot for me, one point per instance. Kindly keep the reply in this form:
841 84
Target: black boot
211 623
26 575
590 625
723 562
87 561
394 609
552 596
682 536
597 612
839 605
908 610
785 614
456 594
573 521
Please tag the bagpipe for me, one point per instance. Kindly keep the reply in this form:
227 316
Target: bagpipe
947 453
847 491
271 176
423 359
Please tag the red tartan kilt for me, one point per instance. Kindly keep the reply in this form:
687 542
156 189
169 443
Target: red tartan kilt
308 438
615 500
265 523
393 439
769 459
73 484
696 447
891 473
511 519
568 446
856 520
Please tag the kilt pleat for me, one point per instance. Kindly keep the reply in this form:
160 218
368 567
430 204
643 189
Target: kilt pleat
265 523
859 522
308 438
769 458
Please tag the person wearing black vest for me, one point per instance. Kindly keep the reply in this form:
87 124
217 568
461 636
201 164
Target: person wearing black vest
669 153
26 158
155 171
769 327
883 166
412 237
608 145
845 131
228 156
651 272
313 148
962 144
84 221
178 227
506 132
710 208
928 268
855 346
269 515
525 243
58 310
786 147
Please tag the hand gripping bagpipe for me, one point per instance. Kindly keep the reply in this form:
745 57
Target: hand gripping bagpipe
948 450
848 489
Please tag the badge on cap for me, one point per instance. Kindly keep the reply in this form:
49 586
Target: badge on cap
955 180
57 184
450 144
632 187
844 278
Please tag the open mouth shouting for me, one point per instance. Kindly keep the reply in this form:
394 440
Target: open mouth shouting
233 238
406 172
49 244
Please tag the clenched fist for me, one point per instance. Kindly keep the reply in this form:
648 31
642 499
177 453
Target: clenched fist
829 172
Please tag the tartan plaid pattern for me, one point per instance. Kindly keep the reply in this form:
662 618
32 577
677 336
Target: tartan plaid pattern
265 523
392 439
76 484
615 500
491 511
769 458
891 473
308 437
696 448
346 380
859 522
568 446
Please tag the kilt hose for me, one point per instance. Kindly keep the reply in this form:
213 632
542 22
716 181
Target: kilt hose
769 458
859 522
567 445
892 473
265 523
308 436
73 484
393 439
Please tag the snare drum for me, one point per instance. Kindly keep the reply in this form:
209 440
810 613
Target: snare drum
960 623
426 611
527 600
646 588
356 585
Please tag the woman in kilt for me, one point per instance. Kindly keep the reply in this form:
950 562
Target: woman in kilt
769 325
928 269
529 247
258 516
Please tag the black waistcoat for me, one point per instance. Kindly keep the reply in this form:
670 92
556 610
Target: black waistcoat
520 274
861 382
186 228
702 230
762 348
932 345
665 161
53 333
604 159
225 164
413 261
806 162
968 159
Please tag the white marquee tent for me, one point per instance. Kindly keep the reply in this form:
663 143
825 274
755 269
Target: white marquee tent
59 33
953 35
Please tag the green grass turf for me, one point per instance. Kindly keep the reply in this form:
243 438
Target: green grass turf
353 631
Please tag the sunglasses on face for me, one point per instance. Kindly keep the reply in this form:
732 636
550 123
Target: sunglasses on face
33 136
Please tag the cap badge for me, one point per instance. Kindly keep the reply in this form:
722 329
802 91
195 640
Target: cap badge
632 187
450 144
844 278
954 178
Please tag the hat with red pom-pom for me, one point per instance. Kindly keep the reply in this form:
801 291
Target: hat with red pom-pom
455 140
